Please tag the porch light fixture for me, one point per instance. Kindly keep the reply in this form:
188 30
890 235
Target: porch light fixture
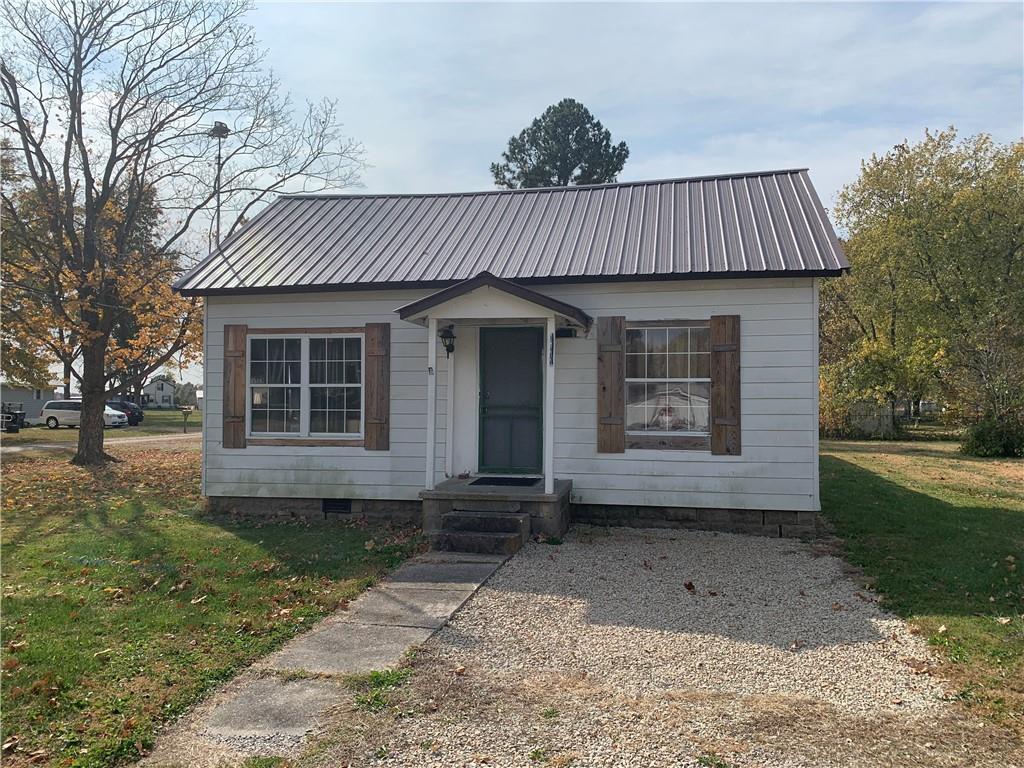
447 337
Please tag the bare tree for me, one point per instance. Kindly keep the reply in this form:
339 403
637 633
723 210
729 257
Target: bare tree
111 102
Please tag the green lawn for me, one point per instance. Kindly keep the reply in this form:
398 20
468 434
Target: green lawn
154 423
942 535
123 603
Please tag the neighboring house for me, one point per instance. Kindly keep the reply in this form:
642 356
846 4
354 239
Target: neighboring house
648 351
28 399
159 392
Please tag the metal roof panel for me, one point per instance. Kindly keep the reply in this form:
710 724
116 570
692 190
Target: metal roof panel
743 224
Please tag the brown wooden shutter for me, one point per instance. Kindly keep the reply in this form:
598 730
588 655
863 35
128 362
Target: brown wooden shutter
377 387
611 385
725 385
234 386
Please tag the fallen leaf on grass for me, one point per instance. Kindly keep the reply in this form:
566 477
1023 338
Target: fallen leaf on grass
14 647
198 600
942 629
104 654
1004 620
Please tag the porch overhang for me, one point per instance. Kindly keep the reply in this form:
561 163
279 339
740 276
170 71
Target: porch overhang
487 297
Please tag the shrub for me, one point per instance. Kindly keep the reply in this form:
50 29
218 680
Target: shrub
995 437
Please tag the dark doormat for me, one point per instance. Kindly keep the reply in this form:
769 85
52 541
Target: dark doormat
522 482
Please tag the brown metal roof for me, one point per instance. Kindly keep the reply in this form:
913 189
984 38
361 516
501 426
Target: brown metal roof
770 223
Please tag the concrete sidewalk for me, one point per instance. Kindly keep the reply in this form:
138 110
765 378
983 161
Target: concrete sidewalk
173 438
270 708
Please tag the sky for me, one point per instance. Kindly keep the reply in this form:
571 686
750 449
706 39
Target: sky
434 91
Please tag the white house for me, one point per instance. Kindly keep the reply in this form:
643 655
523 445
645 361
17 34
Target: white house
641 352
159 392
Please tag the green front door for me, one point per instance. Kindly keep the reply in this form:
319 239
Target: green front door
511 391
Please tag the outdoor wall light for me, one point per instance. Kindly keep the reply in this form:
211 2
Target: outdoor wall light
447 339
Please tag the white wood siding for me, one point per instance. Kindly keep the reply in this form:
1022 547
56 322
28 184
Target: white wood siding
777 469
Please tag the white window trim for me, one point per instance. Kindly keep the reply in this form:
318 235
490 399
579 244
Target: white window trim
305 400
659 432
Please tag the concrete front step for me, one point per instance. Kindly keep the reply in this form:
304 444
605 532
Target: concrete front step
485 505
474 541
487 522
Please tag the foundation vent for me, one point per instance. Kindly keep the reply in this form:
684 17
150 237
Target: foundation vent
336 506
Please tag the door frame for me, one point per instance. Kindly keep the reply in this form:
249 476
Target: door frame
482 361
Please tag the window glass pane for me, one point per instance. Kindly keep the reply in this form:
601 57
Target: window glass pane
277 395
334 372
700 339
635 340
335 421
635 368
317 398
318 421
275 349
636 393
259 421
317 349
352 424
677 340
699 420
257 373
294 372
275 373
700 366
700 394
293 349
352 373
276 421
667 406
656 366
677 366
657 340
258 349
259 397
335 349
353 398
352 349
318 373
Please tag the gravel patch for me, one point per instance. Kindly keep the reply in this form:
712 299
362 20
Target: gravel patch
668 648
649 611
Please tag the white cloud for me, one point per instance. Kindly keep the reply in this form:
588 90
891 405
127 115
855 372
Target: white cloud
434 91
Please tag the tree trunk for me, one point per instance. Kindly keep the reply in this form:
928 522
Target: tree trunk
94 385
67 380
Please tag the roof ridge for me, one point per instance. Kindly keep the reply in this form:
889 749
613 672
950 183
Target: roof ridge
573 188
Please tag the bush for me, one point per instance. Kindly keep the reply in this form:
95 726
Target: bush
994 437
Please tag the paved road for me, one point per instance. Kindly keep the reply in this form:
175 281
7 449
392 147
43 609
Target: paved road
172 438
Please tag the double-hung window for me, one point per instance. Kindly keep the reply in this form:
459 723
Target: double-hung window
305 385
668 378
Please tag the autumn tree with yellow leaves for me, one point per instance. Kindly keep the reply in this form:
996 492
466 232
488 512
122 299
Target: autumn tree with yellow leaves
108 104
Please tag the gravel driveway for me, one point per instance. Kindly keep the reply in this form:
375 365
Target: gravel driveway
666 648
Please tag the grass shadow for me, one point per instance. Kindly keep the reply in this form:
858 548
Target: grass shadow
930 556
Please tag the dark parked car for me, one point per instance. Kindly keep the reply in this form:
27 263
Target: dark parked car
131 410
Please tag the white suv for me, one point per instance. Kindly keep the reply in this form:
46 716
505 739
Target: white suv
68 413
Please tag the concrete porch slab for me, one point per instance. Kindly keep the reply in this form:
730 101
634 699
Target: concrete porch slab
271 707
405 606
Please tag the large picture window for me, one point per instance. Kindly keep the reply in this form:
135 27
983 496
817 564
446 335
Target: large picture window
306 385
668 379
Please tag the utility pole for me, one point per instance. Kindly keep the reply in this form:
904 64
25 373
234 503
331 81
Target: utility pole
220 131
